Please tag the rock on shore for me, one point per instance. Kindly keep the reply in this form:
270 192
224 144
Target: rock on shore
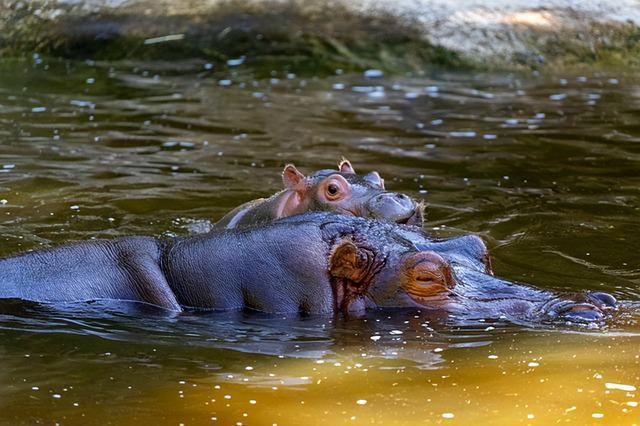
397 35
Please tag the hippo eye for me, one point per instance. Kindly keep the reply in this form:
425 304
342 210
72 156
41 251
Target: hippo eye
427 276
335 188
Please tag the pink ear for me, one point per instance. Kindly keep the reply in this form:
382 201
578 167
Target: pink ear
345 166
291 177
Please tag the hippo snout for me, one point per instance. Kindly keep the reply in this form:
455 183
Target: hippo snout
395 207
604 301
593 308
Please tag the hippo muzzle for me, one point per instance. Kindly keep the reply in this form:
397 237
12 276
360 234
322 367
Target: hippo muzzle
395 207
586 308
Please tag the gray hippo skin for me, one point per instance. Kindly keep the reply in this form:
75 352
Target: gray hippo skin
311 263
341 191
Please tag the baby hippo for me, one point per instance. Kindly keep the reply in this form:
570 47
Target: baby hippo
341 191
311 263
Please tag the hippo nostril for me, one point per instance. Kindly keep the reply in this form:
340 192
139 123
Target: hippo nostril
583 313
578 312
604 299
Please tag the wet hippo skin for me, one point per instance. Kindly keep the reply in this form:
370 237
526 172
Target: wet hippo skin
310 263
342 191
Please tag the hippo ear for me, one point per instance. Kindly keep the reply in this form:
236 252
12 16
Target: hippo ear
345 166
374 178
344 260
291 177
350 261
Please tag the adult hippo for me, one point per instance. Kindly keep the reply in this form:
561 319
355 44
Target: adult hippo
342 191
311 263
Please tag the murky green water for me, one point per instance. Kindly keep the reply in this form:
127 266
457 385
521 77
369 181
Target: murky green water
545 168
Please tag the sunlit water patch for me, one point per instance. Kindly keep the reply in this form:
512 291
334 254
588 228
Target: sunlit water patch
544 168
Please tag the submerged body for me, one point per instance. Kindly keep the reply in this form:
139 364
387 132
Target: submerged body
311 263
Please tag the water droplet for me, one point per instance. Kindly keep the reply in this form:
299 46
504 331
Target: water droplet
235 62
82 104
619 386
463 134
362 89
378 93
373 73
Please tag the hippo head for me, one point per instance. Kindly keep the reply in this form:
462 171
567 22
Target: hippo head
375 264
343 191
385 272
413 279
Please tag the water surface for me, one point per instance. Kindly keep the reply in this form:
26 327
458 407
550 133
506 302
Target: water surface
546 168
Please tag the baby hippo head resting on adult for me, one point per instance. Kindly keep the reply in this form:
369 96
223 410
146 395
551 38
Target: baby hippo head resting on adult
340 191
348 193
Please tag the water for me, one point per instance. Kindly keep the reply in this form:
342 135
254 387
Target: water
544 168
